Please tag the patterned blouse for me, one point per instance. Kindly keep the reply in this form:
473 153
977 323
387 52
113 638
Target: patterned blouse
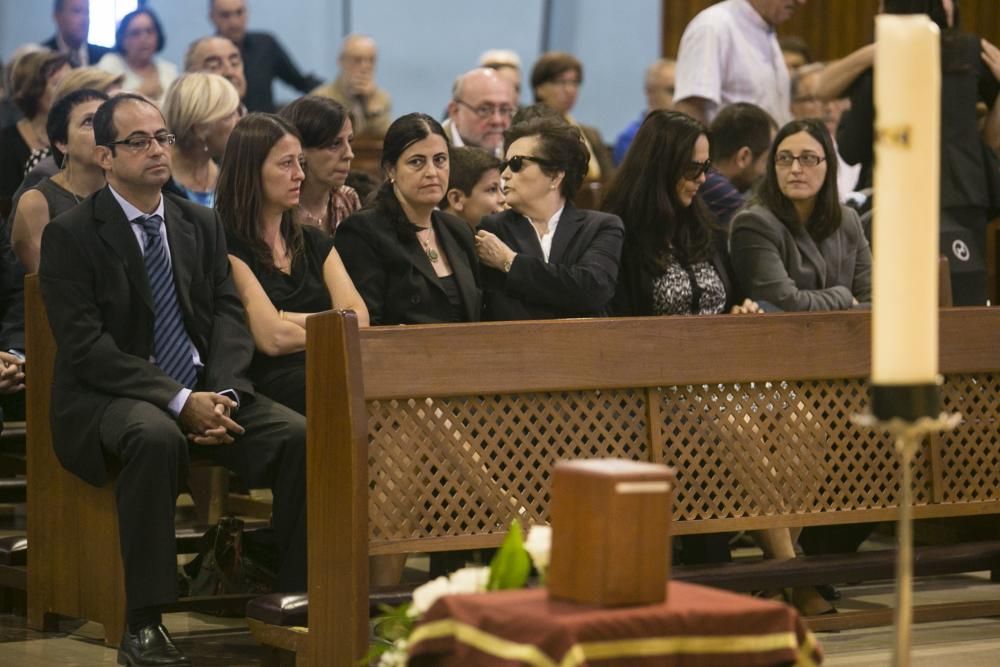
688 290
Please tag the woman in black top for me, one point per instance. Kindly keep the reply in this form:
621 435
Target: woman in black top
71 133
674 259
282 271
412 263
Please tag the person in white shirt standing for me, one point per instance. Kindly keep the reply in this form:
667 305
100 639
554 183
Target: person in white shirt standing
730 53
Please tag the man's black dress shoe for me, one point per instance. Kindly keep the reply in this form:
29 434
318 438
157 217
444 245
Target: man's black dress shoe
151 646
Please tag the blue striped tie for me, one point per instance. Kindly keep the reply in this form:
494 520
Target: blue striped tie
171 344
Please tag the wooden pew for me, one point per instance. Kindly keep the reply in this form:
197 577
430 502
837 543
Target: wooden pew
368 157
74 561
992 260
434 437
74 558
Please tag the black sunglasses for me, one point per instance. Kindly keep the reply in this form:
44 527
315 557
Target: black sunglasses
516 163
695 169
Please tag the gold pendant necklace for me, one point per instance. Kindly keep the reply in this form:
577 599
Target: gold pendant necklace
432 254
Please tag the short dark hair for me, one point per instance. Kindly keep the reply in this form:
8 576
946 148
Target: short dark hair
123 25
826 215
318 119
551 66
403 132
795 44
57 124
468 164
644 195
29 77
738 125
561 145
533 111
105 132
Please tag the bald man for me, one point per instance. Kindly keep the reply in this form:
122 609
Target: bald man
355 87
264 59
217 55
482 105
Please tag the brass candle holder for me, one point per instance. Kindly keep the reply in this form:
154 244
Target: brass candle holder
908 432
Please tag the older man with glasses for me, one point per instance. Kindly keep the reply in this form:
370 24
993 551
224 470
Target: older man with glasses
481 108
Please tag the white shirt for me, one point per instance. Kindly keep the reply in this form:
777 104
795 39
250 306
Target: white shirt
729 53
452 132
135 217
115 63
546 239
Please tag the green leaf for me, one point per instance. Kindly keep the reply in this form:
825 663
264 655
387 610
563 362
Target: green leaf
511 565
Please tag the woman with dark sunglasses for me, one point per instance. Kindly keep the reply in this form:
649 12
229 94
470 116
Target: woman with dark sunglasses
544 258
674 261
796 246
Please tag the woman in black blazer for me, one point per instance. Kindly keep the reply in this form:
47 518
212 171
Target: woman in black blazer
674 261
411 263
544 258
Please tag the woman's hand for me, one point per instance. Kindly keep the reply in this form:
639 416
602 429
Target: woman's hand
492 251
747 307
991 56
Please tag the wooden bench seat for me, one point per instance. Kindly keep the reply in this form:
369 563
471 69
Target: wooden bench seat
432 438
74 561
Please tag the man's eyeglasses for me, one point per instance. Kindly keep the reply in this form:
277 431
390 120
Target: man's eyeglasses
695 169
484 111
807 160
141 143
516 162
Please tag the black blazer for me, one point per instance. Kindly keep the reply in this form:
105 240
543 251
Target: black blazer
94 52
634 294
394 276
579 278
99 304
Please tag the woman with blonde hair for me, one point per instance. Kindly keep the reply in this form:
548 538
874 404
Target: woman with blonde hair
93 78
201 109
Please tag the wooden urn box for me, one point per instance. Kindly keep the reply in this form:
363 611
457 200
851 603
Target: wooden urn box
611 531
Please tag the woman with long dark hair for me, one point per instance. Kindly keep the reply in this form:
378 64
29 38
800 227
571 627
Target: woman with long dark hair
796 246
674 258
283 271
412 263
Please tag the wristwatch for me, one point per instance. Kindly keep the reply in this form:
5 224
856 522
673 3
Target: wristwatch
506 265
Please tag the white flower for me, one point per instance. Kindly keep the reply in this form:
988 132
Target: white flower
469 580
538 544
426 595
395 657
465 580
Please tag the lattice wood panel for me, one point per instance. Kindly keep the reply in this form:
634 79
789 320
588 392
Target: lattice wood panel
970 457
769 448
469 465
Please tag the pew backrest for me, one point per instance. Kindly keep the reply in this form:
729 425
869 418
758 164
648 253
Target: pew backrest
436 437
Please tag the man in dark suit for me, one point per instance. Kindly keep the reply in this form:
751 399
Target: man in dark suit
264 58
152 353
72 18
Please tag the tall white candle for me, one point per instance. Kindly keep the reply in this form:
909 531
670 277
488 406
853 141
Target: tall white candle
906 185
